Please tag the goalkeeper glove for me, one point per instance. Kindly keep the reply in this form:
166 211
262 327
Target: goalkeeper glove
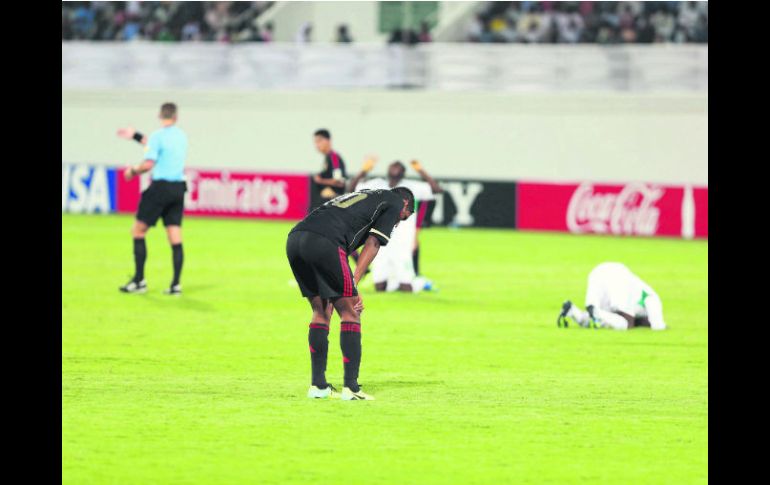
416 165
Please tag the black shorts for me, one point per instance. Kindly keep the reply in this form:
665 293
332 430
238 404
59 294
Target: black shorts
319 266
162 199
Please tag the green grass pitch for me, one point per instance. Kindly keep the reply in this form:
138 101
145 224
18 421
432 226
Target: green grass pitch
475 384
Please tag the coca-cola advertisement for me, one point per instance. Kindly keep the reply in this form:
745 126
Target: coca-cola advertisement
635 208
223 193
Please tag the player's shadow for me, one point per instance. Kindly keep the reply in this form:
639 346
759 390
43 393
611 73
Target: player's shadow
185 301
402 384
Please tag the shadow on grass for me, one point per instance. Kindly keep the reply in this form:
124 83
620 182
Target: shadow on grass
395 384
184 301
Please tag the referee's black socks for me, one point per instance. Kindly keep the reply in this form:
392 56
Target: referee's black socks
178 257
318 339
350 343
140 256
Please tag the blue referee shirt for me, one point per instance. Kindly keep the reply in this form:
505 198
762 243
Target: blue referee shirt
168 148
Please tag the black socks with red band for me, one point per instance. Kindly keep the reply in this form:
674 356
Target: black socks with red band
318 339
350 343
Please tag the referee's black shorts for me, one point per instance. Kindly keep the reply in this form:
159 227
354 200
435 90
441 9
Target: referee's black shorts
162 199
319 266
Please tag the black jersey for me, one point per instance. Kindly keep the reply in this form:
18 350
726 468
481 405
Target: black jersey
333 168
349 219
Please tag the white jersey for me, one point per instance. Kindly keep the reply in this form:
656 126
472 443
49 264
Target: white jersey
393 263
613 287
420 189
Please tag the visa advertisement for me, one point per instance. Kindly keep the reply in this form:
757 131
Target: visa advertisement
88 188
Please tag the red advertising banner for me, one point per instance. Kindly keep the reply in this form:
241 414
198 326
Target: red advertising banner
637 208
223 193
127 193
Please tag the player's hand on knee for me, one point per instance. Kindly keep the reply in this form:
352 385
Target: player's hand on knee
359 305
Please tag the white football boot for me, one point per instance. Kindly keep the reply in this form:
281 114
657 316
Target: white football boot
348 395
328 393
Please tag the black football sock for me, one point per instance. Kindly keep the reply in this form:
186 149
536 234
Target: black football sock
178 257
416 260
140 256
318 338
350 343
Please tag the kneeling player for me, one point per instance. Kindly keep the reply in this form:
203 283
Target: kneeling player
394 269
616 298
318 249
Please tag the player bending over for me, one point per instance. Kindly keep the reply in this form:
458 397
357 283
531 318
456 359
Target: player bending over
616 298
318 249
394 269
165 155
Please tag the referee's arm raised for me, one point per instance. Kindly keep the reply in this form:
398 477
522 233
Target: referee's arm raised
129 133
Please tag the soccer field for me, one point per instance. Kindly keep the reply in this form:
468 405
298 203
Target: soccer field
475 384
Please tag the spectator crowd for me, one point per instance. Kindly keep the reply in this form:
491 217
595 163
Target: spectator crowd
590 22
165 21
521 22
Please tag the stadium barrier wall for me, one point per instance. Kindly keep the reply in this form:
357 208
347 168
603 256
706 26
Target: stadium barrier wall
467 136
637 209
435 66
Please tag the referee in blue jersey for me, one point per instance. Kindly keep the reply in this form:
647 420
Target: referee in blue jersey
164 154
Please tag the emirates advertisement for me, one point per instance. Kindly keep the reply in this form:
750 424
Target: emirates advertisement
247 194
633 209
222 193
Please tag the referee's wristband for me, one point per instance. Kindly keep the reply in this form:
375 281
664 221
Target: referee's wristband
138 137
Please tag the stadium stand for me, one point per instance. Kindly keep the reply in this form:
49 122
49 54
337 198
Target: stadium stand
164 21
495 22
590 22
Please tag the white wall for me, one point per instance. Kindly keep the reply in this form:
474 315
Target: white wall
559 137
